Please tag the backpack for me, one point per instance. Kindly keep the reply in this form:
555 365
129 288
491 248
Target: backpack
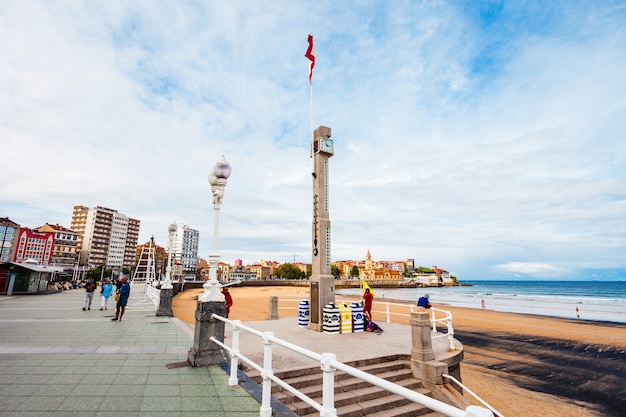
373 327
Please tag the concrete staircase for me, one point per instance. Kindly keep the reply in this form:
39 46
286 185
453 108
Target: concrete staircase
354 397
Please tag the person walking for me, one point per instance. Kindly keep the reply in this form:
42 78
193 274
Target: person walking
124 293
229 300
90 287
107 290
367 304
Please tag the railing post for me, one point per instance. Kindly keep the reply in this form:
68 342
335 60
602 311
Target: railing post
266 396
234 360
450 330
328 386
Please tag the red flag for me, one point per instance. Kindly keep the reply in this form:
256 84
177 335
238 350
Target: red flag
310 53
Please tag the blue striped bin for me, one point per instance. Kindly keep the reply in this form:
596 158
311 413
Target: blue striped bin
303 313
358 318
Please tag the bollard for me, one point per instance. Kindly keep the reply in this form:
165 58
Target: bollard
358 318
303 313
273 311
331 319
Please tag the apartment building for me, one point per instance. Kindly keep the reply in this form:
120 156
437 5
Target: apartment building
64 246
8 238
106 237
33 246
182 243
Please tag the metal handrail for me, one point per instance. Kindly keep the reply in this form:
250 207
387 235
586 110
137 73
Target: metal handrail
329 365
469 391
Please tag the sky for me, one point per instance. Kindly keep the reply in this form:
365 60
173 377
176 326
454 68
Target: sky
485 137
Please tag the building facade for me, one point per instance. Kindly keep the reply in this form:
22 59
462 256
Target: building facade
33 246
64 246
8 238
182 243
106 237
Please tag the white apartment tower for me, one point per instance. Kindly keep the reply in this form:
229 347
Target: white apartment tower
182 243
106 237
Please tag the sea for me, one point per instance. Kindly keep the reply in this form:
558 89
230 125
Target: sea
583 300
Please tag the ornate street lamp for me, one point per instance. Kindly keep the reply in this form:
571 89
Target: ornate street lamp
167 284
217 178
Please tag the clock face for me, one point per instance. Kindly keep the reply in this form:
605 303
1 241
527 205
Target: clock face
327 145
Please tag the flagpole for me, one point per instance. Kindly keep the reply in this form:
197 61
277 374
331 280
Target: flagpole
310 55
312 124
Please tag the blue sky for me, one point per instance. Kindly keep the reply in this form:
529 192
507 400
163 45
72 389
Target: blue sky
487 138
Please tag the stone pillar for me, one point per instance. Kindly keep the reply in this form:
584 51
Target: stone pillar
204 352
423 363
165 303
273 311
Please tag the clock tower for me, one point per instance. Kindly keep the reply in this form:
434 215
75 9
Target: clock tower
322 283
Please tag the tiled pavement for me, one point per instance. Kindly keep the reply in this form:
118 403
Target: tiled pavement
56 359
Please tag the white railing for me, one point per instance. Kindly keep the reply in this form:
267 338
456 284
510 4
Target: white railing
469 391
445 321
154 294
329 365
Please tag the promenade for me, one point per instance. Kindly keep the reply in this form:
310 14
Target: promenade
56 359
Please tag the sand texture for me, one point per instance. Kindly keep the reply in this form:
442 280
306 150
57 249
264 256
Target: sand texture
523 365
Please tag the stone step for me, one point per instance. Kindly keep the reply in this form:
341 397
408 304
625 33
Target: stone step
389 406
372 395
401 377
392 371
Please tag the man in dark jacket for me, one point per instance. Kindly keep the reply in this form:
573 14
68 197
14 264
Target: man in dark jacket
90 287
123 292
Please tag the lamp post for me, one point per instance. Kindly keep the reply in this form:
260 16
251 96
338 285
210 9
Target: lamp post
167 284
167 291
217 178
211 301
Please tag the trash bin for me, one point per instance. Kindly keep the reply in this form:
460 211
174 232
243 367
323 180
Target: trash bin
358 318
303 313
331 319
345 316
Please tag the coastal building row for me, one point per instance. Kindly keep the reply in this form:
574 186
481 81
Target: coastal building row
34 256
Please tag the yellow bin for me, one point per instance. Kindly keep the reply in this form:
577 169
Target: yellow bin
345 317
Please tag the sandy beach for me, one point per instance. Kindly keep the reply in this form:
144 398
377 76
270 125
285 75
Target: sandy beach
523 365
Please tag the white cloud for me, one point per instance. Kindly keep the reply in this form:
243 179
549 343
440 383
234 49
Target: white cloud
462 140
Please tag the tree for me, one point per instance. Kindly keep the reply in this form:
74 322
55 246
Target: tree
289 271
96 273
354 272
335 271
